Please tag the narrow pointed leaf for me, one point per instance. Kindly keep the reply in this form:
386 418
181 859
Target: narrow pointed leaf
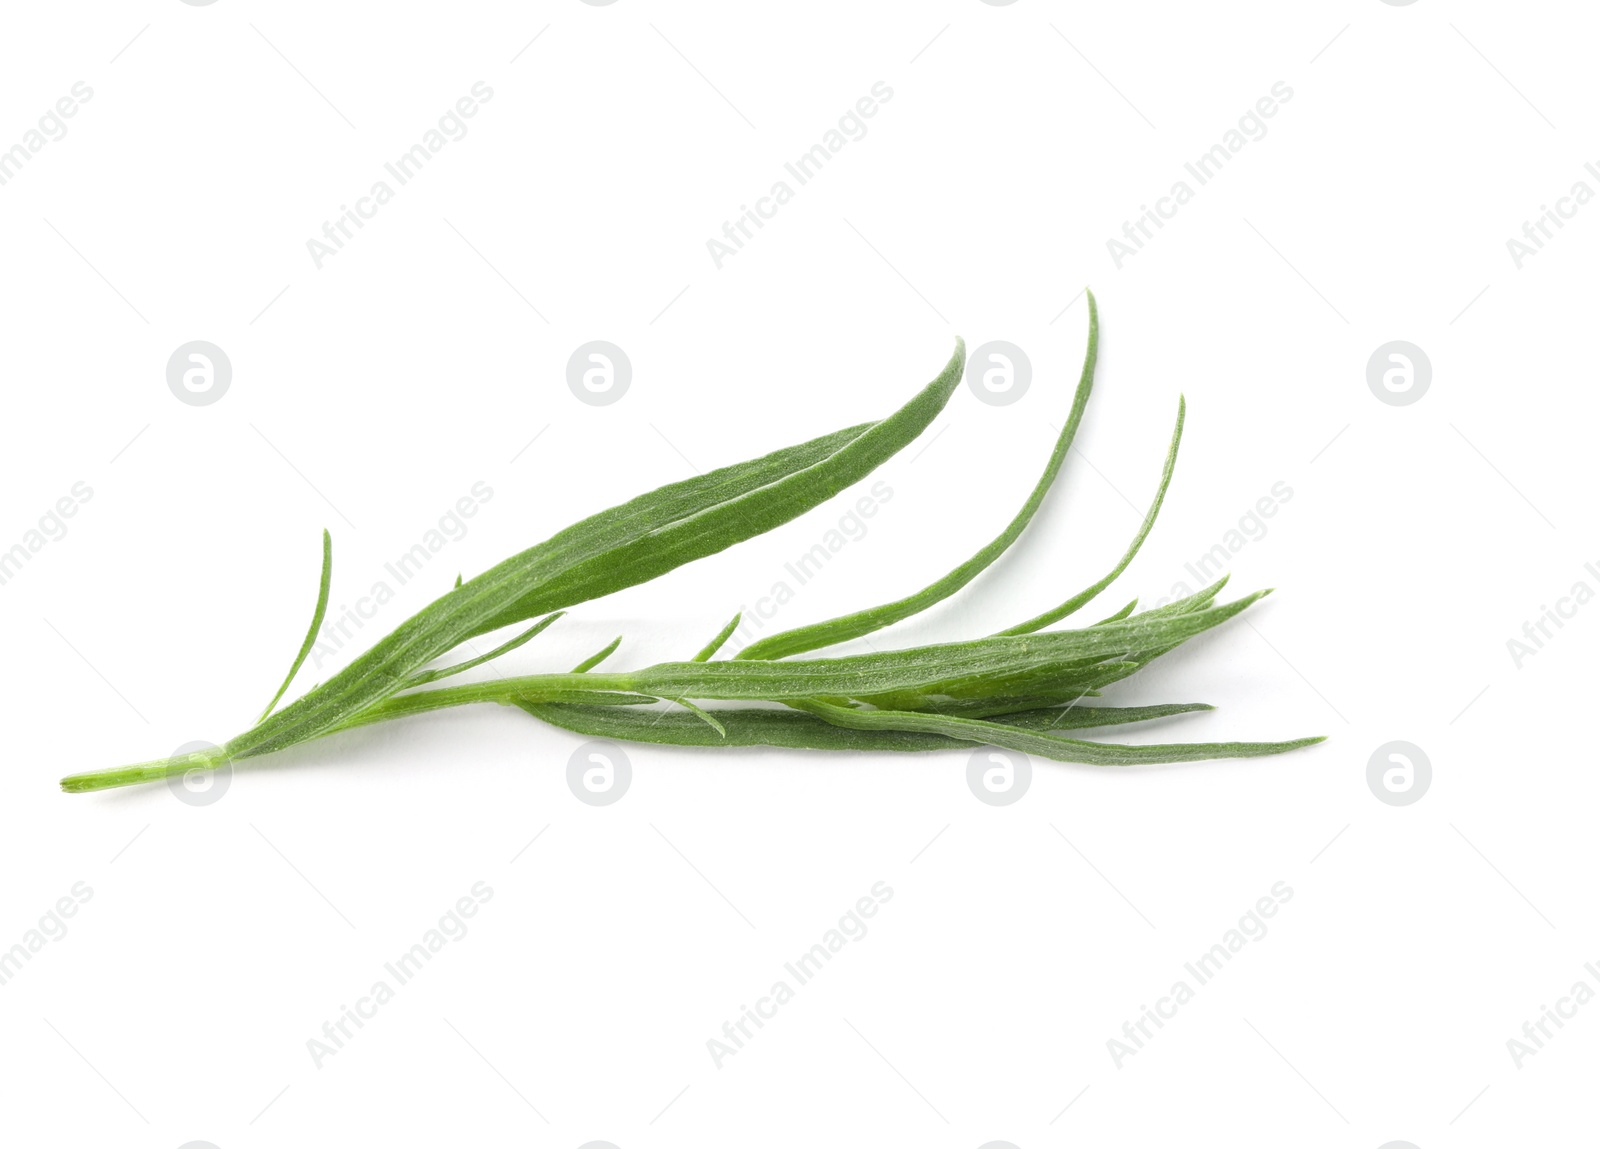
423 677
704 716
1120 615
715 644
1046 745
598 656
316 622
842 629
1055 614
796 730
926 668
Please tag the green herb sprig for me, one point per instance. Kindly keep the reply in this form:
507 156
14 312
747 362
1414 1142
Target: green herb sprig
1021 688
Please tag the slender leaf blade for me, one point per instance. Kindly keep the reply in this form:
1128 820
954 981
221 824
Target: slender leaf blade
317 616
715 644
1055 614
1047 745
854 625
598 656
423 677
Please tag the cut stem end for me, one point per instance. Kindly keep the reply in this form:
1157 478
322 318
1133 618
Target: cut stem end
154 771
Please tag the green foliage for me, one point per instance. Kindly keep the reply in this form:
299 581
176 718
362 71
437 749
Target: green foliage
1022 688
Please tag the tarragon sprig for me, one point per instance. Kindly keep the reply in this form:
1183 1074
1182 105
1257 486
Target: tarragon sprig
1022 688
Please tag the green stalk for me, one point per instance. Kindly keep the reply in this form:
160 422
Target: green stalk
145 771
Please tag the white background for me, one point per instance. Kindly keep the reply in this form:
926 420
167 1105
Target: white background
369 395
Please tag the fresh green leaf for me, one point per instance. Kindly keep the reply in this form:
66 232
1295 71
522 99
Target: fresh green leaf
316 621
842 629
715 644
790 728
423 677
598 656
1056 614
1046 745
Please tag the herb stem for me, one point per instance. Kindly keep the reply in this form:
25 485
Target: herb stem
152 771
